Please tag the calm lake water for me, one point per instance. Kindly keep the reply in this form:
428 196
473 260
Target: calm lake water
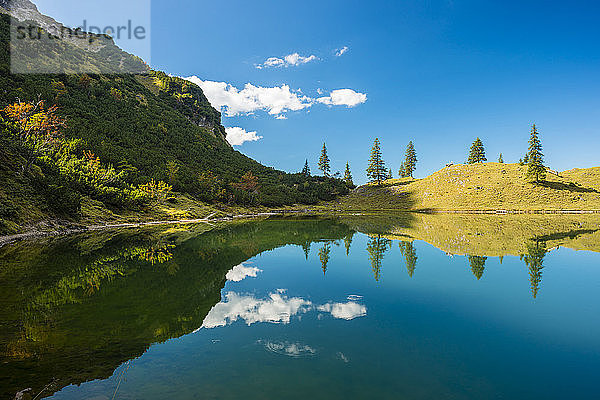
405 307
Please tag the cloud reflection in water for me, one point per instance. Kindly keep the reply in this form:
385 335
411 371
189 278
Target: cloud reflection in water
277 308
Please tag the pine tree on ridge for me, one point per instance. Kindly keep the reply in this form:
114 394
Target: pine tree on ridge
410 161
536 171
376 170
477 152
324 162
306 169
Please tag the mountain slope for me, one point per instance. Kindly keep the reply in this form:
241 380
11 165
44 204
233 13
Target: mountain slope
151 125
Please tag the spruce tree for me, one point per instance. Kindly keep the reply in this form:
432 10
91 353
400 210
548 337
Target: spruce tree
348 175
410 161
501 159
402 171
536 172
306 169
376 170
390 174
324 161
477 152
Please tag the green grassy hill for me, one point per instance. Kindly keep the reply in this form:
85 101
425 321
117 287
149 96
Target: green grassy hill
480 187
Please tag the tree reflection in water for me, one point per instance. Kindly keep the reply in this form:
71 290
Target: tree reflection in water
534 259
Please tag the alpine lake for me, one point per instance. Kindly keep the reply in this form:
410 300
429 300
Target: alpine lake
403 306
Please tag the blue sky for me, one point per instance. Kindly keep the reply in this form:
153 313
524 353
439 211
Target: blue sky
439 73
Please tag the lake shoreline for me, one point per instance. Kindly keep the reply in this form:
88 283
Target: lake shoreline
65 228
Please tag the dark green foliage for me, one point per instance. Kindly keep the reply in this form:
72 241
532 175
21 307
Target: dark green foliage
536 171
477 152
324 162
145 123
477 264
348 176
306 169
376 170
402 170
410 160
61 195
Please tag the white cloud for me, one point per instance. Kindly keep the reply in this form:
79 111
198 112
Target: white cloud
237 136
291 60
241 272
343 97
347 311
274 100
340 52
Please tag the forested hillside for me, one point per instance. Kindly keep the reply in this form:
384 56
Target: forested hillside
144 128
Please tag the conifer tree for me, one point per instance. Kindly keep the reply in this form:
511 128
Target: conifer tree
410 161
390 174
526 158
348 175
376 169
402 171
306 169
501 159
477 152
536 172
324 161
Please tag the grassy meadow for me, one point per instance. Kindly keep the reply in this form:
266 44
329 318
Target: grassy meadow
479 187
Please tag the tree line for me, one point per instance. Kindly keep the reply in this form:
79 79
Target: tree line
534 157
377 171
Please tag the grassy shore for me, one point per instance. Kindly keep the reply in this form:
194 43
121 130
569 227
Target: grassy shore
479 187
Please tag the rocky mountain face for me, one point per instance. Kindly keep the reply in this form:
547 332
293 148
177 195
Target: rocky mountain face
36 50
